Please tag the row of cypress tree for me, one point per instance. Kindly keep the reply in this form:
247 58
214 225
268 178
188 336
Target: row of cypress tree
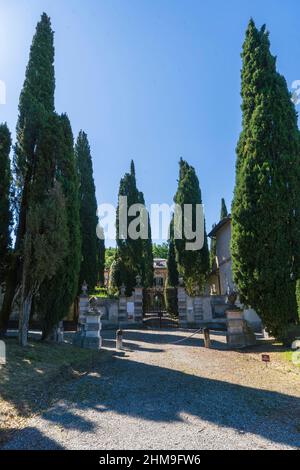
52 197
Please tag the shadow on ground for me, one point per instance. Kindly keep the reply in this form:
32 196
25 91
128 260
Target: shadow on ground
164 395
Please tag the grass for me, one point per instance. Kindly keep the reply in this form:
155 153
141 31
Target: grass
35 376
288 357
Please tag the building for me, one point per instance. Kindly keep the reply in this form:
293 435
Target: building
160 272
221 280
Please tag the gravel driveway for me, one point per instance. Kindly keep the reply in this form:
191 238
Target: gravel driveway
158 395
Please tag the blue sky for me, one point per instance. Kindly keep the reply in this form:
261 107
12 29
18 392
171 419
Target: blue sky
151 80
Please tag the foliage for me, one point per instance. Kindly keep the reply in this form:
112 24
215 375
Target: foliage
192 264
171 301
134 256
160 251
5 199
110 255
88 213
58 294
265 213
224 211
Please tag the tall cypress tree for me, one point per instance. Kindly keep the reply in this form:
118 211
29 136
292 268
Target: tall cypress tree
134 256
224 211
36 102
265 212
58 294
5 199
88 213
213 251
193 265
46 237
172 279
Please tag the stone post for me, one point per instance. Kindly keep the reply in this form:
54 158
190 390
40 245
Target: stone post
239 334
182 306
122 311
89 324
198 310
92 331
138 304
83 309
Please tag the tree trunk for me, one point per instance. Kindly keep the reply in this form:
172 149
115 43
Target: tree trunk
24 318
14 273
10 289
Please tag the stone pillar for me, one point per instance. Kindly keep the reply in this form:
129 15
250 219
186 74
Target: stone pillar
239 334
198 310
122 311
92 332
58 333
89 327
182 306
83 309
138 304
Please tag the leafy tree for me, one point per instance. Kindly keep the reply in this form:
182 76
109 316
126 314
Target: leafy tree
265 212
110 255
5 199
88 213
58 294
224 211
36 103
160 251
192 264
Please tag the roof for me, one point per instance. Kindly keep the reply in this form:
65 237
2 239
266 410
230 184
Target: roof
217 227
160 263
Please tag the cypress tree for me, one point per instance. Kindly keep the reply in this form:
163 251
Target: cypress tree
265 212
36 102
101 258
224 211
135 256
5 199
58 294
213 251
172 280
88 213
46 237
193 265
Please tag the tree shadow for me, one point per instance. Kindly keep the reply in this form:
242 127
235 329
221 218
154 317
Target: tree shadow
165 395
36 440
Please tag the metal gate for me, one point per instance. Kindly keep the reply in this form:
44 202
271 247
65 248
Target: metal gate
154 302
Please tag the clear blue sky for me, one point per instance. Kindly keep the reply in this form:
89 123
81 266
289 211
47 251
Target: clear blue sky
151 80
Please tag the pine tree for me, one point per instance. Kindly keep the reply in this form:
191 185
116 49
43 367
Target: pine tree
58 294
265 212
193 265
224 211
36 102
88 213
5 199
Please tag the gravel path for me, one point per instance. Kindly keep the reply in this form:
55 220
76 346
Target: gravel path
155 395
